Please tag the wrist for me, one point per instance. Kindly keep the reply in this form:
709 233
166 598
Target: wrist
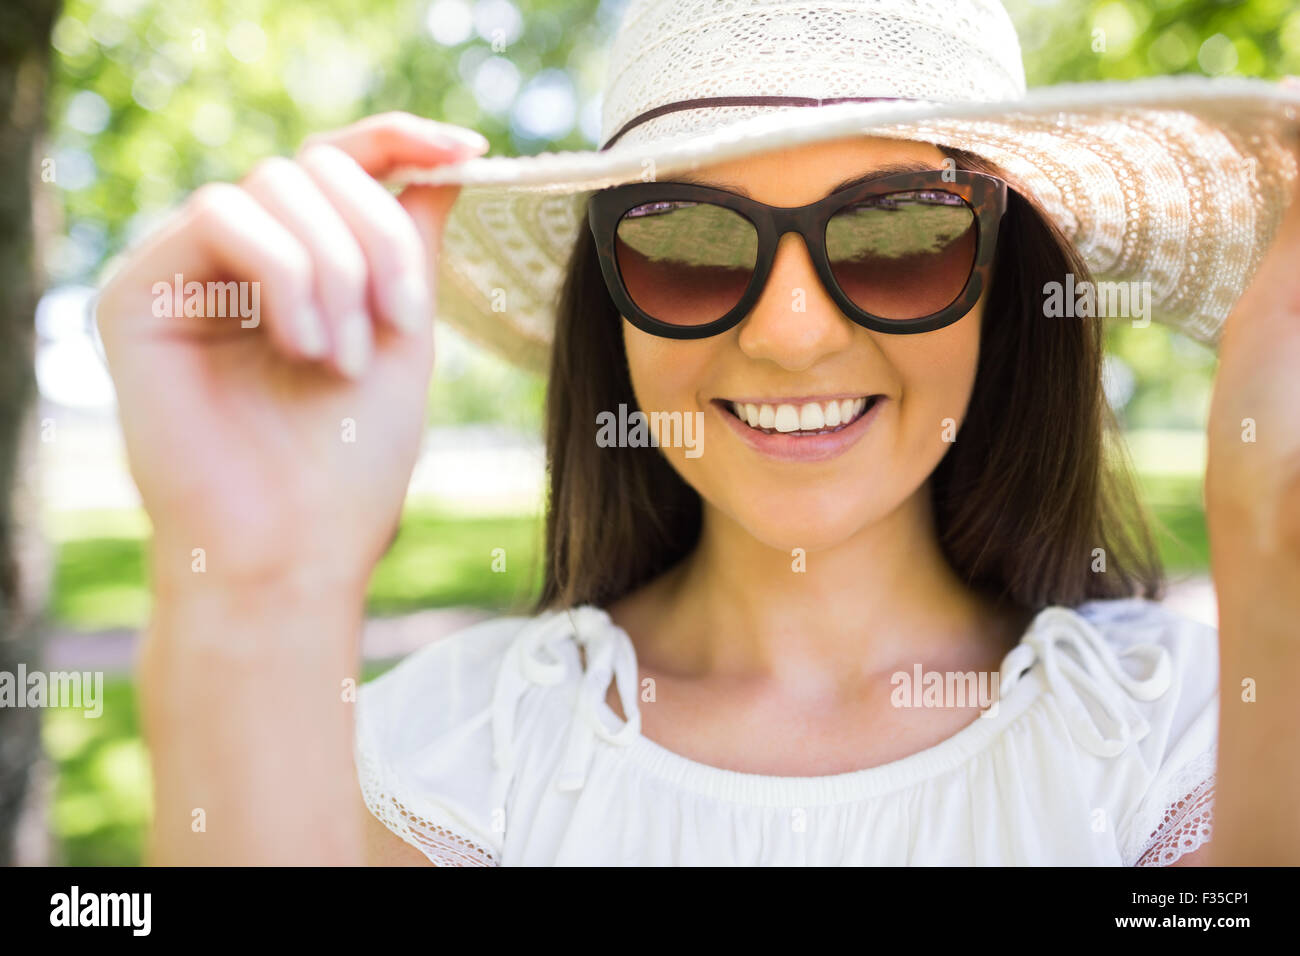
1255 511
245 706
294 614
183 573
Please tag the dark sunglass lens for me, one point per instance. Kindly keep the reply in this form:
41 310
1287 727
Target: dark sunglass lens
685 263
904 255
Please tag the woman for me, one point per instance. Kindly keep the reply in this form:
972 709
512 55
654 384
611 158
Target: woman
732 659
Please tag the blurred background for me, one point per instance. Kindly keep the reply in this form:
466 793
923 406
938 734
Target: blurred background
116 110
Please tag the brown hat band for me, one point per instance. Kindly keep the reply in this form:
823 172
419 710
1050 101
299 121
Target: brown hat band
739 101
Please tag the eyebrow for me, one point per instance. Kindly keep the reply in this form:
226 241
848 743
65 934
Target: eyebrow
889 169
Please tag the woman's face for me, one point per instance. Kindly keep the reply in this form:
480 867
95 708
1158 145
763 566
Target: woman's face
787 490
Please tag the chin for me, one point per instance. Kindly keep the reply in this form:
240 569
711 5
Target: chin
812 525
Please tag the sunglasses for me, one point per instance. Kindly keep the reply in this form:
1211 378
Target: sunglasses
902 253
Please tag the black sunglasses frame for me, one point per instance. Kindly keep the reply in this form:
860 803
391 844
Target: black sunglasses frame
984 195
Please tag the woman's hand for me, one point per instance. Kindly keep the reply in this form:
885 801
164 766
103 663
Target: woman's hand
280 443
1252 493
281 440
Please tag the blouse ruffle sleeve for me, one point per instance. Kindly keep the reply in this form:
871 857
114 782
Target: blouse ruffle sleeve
423 746
1174 815
1137 686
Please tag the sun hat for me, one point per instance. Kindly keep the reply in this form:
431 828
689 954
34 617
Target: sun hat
1179 182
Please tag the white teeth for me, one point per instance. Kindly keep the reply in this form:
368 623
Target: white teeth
787 419
809 417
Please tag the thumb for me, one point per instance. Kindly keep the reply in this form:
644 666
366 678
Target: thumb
429 207
1290 227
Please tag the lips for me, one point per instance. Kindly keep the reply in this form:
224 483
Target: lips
801 430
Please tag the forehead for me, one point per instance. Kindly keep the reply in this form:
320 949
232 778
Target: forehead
802 174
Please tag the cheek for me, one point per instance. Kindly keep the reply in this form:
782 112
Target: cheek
936 376
678 375
667 374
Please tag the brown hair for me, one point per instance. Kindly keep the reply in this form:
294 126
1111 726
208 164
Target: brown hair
1036 482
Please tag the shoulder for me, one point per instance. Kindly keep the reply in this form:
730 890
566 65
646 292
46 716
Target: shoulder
1192 646
455 683
428 736
464 662
1125 670
1132 618
436 735
1163 780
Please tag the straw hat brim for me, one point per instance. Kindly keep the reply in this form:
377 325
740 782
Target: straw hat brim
1176 181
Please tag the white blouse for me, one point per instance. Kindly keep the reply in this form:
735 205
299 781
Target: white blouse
494 746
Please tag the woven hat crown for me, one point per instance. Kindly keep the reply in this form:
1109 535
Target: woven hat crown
674 51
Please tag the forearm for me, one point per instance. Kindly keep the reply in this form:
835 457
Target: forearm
1257 790
247 720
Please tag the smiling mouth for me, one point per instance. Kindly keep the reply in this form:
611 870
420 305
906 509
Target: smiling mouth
803 420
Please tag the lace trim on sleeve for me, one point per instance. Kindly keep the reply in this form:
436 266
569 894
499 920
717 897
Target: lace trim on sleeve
1188 824
441 844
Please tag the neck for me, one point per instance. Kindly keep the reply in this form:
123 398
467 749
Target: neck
737 606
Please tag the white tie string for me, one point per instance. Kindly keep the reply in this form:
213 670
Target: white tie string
609 654
1077 662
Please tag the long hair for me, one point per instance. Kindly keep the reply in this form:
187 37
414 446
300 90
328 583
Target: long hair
1031 503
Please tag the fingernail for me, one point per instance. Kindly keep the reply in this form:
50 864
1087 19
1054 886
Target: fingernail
464 137
311 332
354 344
410 303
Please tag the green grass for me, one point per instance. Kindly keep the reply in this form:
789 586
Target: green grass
102 800
436 560
441 561
100 583
1178 521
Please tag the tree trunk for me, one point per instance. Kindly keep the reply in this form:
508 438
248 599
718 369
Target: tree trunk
25 27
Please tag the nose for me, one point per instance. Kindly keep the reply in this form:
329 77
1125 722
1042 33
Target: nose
795 323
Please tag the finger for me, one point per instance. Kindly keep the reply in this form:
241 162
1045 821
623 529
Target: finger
384 232
222 232
385 142
240 236
289 193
